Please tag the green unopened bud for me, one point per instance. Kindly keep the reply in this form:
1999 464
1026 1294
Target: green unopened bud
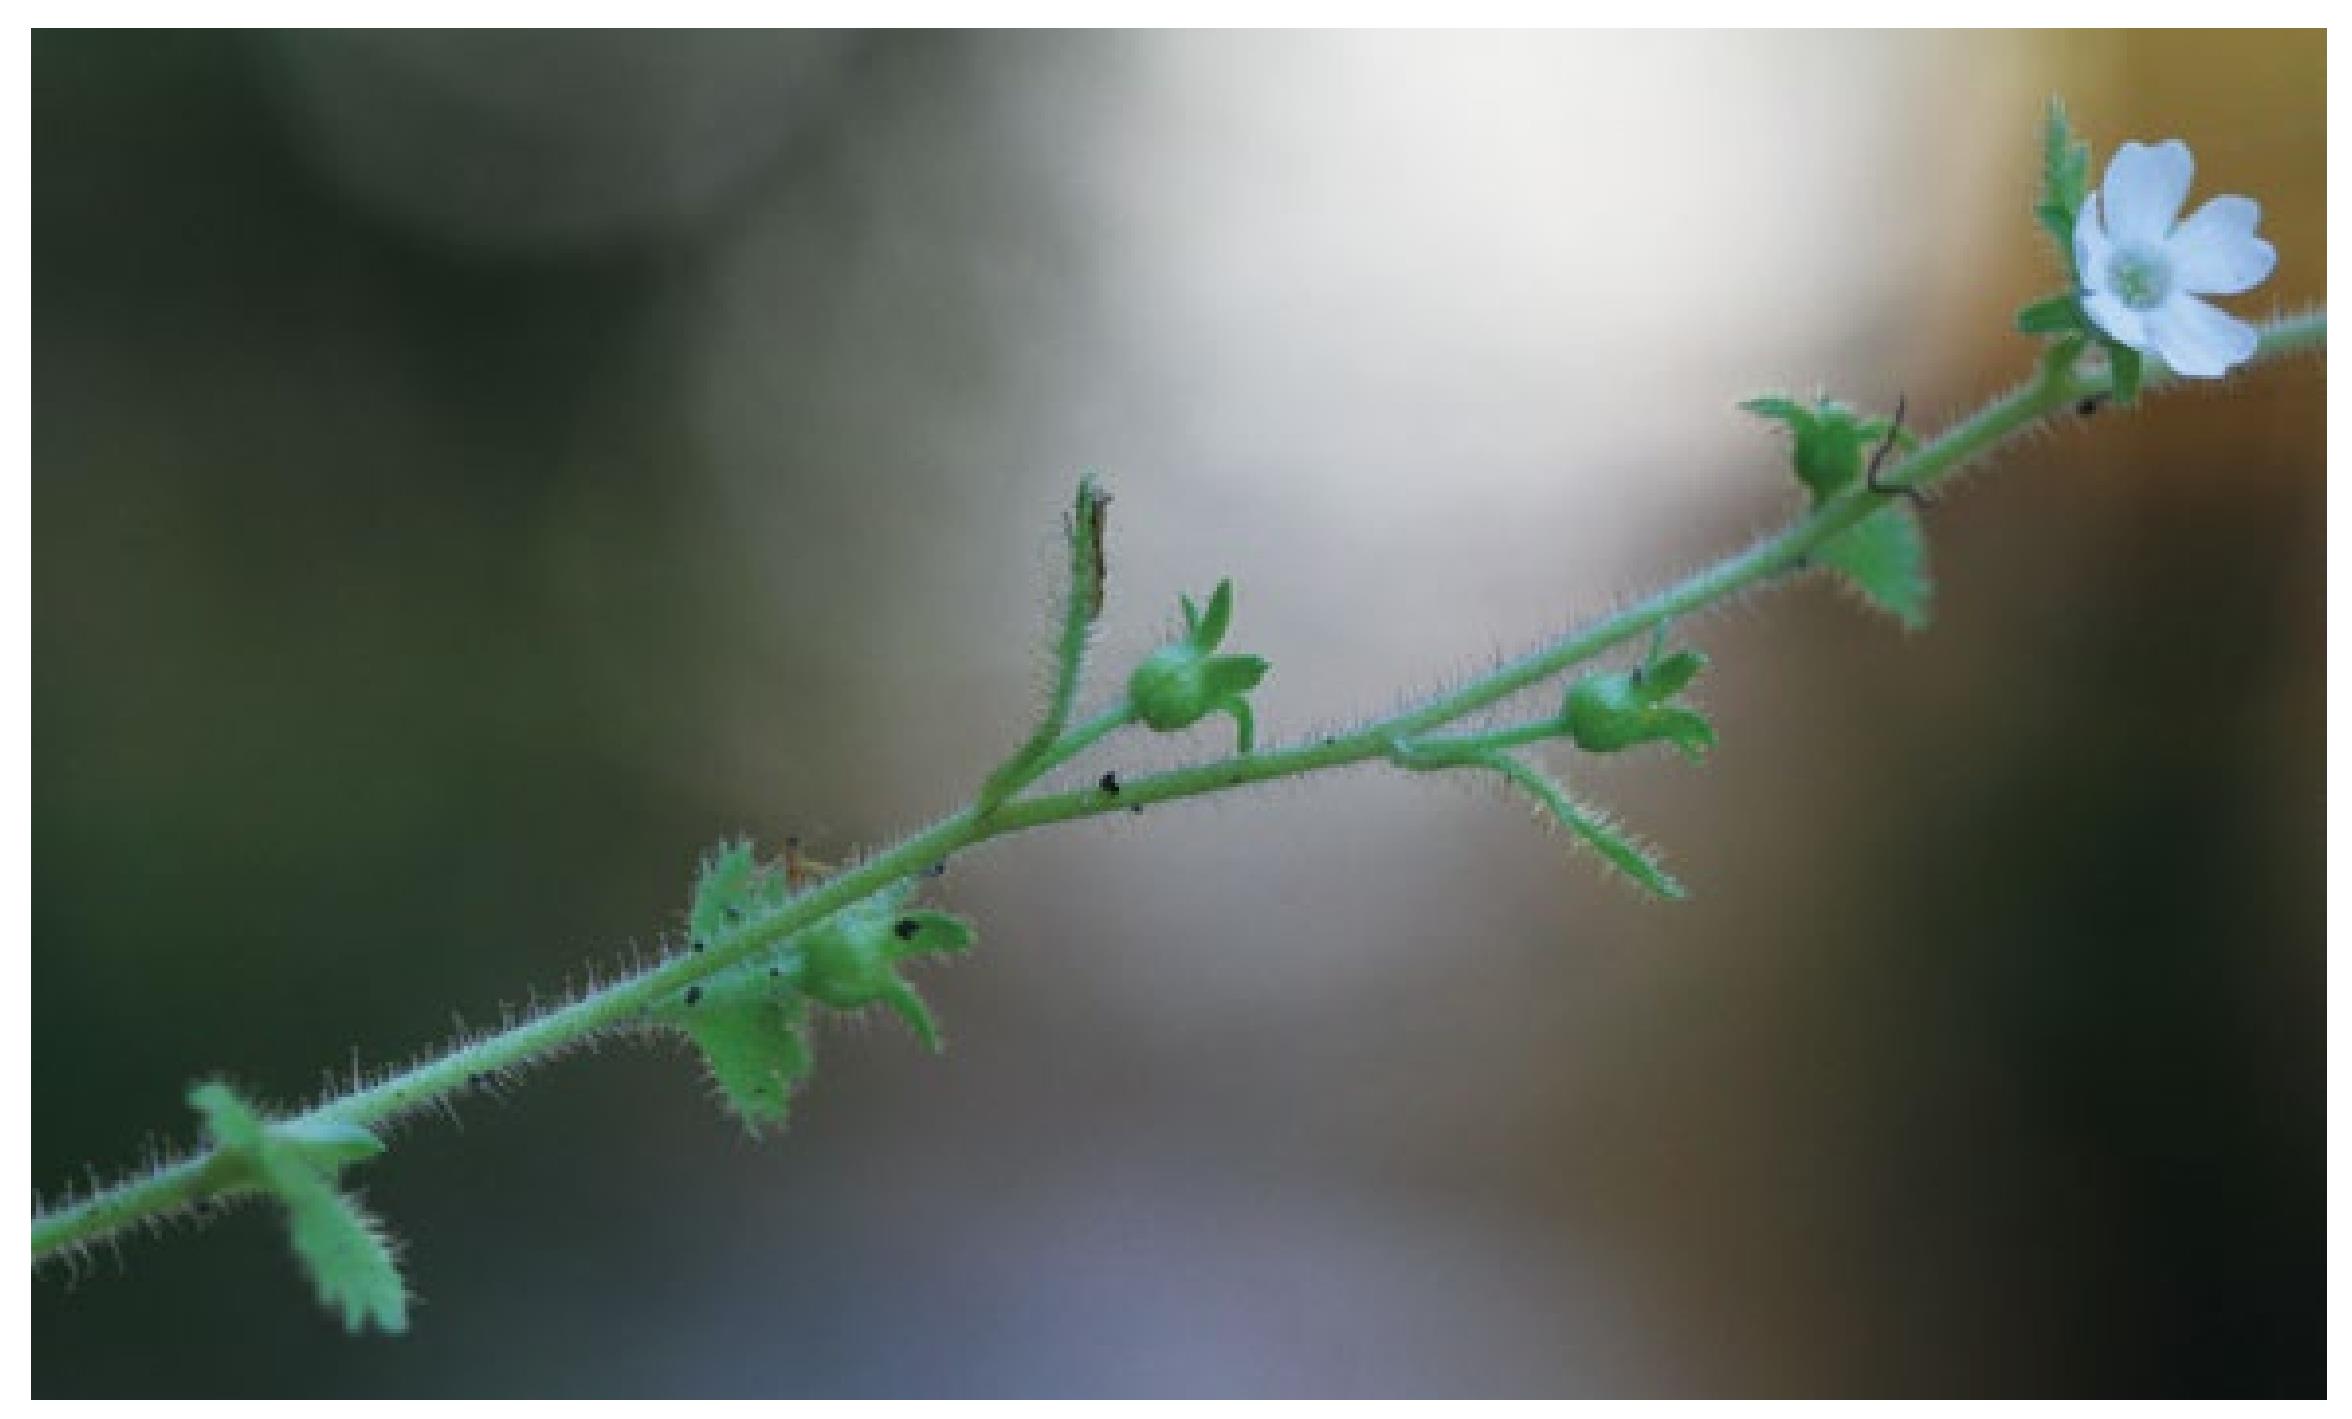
1832 440
1185 681
852 960
1612 710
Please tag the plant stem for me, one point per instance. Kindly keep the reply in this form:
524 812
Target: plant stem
175 1185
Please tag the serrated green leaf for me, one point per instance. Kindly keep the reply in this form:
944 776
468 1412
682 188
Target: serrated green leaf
1593 827
2059 223
339 1245
2052 315
342 1248
1620 851
2066 166
757 1052
723 889
1884 557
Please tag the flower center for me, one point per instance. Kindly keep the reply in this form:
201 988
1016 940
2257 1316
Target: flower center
2141 276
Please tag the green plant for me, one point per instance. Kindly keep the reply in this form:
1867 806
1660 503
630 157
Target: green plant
769 944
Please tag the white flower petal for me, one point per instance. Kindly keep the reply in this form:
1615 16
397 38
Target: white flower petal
2117 319
2091 245
2215 252
2145 189
2198 341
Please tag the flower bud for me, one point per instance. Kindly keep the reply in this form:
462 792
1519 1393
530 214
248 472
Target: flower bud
1612 710
851 959
1185 681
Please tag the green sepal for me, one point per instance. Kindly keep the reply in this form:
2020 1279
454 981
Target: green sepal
1884 558
2126 368
2058 358
2052 315
1208 628
1664 678
1225 677
1778 407
340 1245
929 933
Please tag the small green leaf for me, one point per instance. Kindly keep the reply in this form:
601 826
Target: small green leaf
2066 168
2059 223
756 1048
1884 557
723 889
344 1249
1619 849
2052 315
1593 827
326 1144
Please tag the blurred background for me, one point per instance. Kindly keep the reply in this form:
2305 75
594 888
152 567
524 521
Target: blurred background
474 472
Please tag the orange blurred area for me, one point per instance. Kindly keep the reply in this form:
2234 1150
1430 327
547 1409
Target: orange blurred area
472 473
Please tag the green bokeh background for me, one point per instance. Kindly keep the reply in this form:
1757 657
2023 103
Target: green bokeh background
472 473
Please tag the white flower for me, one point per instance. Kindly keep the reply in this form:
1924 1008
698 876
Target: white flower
2143 269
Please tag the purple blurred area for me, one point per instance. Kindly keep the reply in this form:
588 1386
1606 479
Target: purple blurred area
472 473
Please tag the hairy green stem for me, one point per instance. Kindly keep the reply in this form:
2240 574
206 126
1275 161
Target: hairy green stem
1081 604
173 1186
